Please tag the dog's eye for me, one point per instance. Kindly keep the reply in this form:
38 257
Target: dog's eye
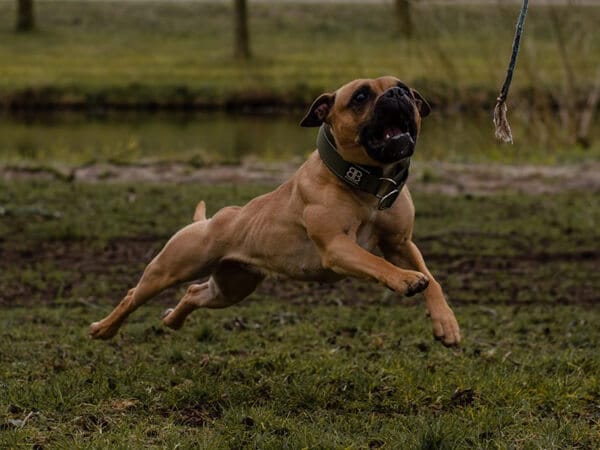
360 97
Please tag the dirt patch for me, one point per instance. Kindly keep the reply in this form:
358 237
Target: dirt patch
447 178
98 276
196 415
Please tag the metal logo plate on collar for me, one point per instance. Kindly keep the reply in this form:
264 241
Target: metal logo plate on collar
354 175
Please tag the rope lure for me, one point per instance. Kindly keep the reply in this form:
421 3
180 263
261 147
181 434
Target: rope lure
503 132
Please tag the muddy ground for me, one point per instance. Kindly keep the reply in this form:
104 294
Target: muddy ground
67 272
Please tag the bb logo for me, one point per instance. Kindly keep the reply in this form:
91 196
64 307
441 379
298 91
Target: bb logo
354 175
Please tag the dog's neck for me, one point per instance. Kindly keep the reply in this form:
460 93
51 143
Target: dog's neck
385 184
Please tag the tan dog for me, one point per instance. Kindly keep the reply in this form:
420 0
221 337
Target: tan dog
345 201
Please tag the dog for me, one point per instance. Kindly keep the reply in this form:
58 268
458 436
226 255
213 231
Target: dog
347 202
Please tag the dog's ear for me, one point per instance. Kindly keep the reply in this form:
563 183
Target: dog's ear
422 105
318 111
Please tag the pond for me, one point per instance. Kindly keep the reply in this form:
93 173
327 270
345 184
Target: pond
75 139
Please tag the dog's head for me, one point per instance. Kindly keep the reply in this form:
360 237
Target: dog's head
374 122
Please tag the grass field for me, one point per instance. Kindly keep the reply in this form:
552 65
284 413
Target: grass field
298 365
180 53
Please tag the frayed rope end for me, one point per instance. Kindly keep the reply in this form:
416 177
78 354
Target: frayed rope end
503 132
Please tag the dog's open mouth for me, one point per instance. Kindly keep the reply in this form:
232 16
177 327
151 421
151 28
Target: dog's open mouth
389 143
390 135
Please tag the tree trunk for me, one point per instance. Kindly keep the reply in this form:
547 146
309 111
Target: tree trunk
25 20
242 44
404 21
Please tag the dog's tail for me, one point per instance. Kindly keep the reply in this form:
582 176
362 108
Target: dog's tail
200 213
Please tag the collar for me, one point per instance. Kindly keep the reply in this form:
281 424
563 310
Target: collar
364 178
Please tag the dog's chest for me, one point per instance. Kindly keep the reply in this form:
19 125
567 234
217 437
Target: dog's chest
365 234
300 258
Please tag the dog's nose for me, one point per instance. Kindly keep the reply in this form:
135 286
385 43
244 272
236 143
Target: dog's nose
395 92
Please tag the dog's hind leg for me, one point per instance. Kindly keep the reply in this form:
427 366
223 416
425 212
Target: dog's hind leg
188 255
230 283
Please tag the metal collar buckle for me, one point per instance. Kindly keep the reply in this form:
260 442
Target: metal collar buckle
387 200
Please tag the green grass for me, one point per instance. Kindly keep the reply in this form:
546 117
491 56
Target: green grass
302 376
298 365
127 53
55 211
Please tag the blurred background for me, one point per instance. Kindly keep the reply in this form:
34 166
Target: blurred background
207 82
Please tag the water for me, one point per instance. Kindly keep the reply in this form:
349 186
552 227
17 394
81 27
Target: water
208 138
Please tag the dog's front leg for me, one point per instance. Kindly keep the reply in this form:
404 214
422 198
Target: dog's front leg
340 253
406 254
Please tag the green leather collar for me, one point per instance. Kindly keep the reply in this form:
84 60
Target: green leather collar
364 178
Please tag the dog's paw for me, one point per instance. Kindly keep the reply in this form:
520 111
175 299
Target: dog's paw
445 327
99 330
412 283
171 320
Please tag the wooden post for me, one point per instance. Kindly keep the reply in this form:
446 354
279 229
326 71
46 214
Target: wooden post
25 19
404 20
242 41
